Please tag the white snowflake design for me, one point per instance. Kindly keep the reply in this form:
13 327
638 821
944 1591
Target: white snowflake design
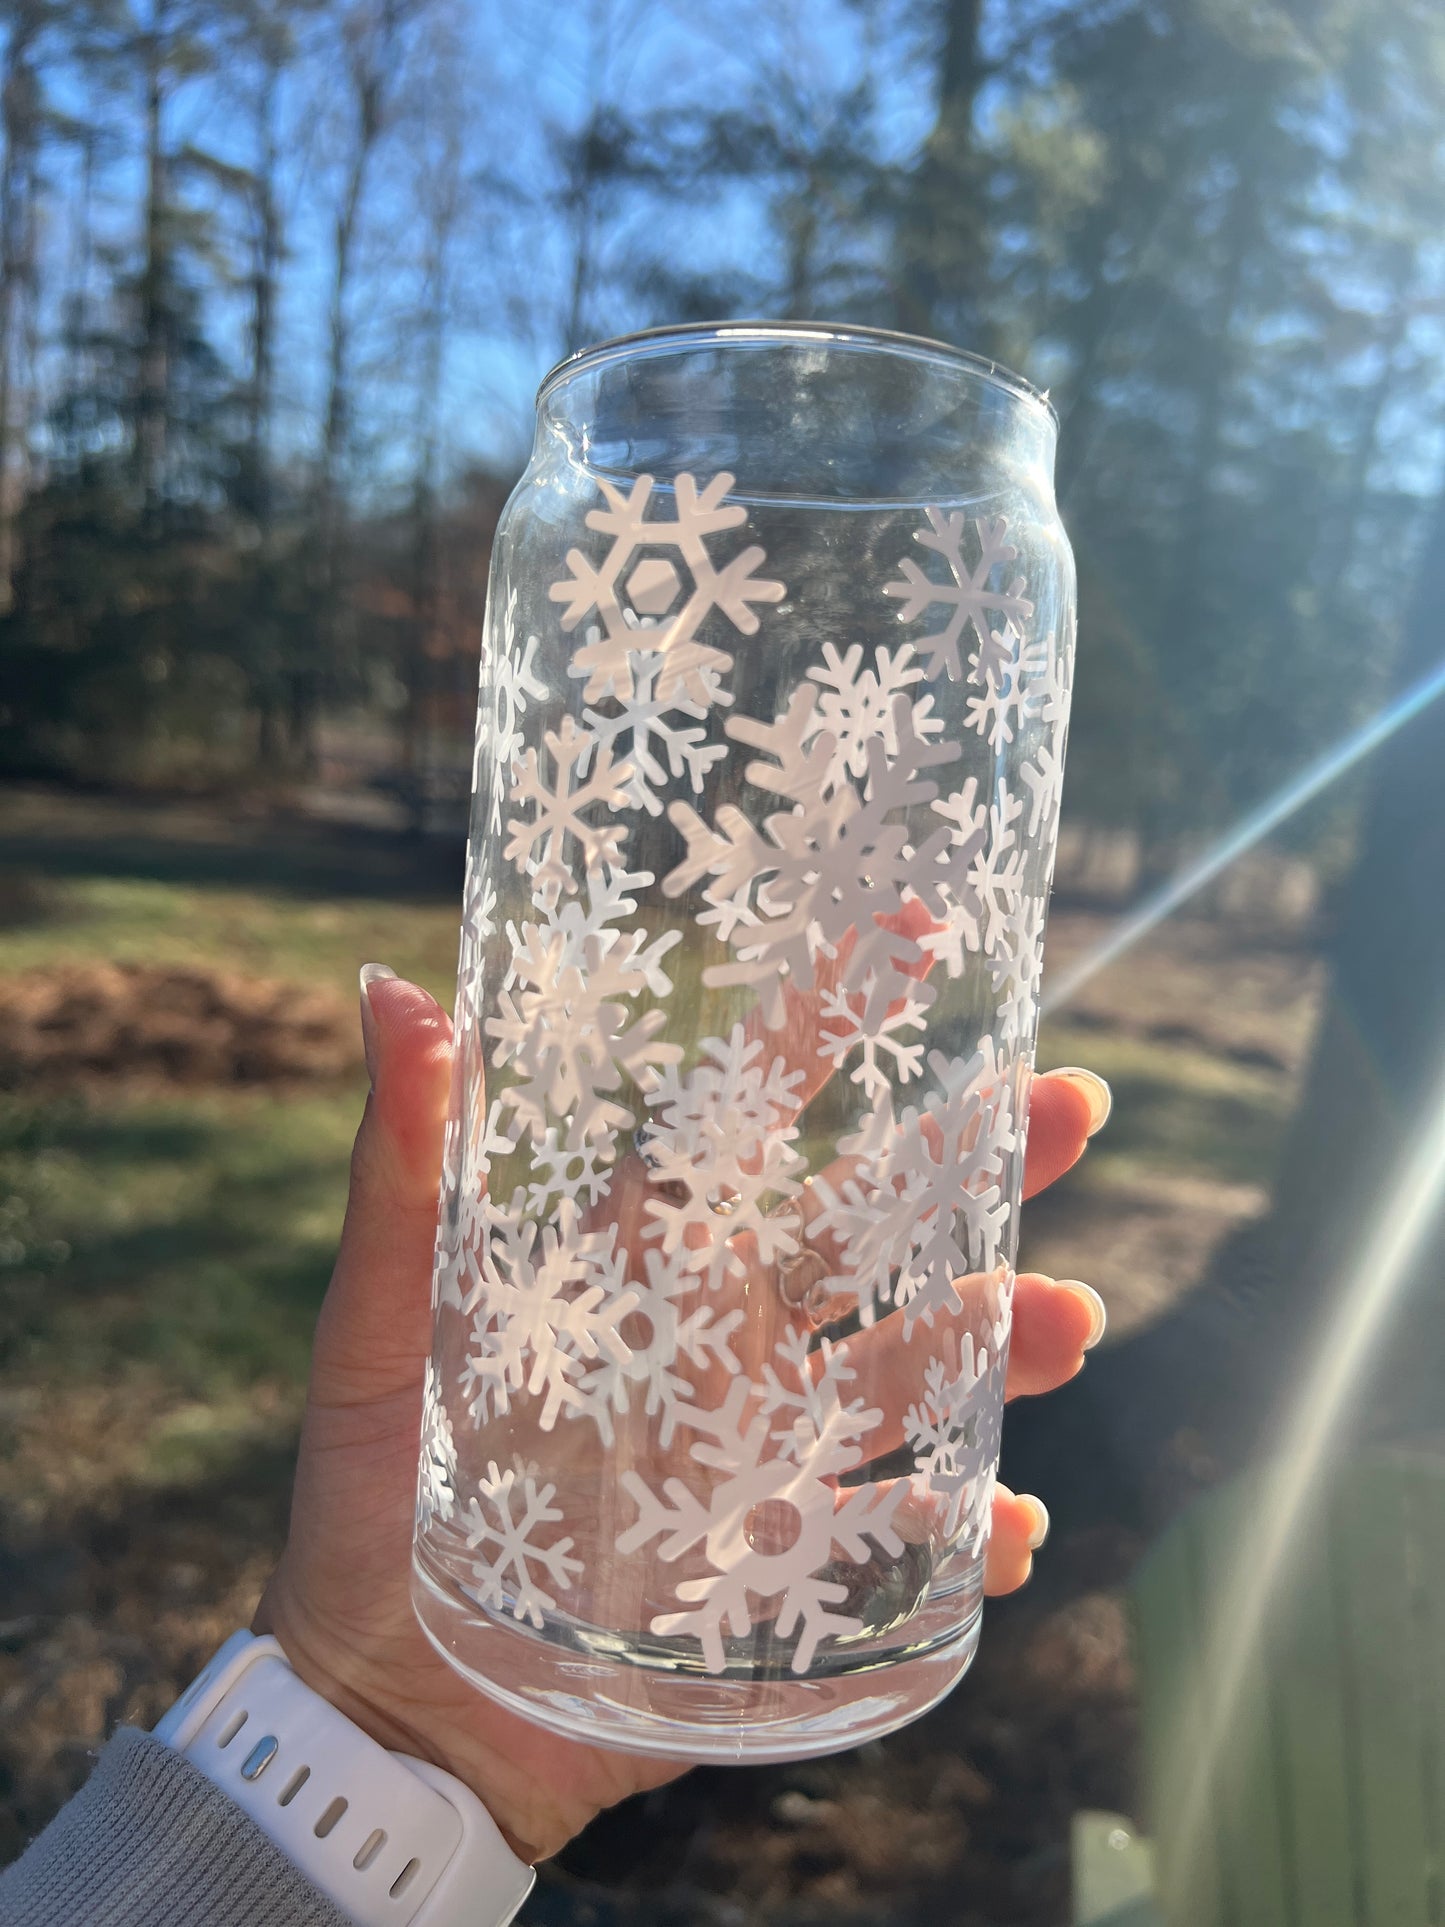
584 777
724 1136
504 1523
509 682
564 1173
690 667
857 706
563 1014
845 1026
926 1202
676 725
955 1429
437 1477
470 1143
968 596
549 1300
1016 966
985 881
683 1328
1042 774
773 1518
829 867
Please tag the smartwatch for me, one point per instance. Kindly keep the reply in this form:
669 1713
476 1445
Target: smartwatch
390 1840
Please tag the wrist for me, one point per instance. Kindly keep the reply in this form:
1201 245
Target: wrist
371 1674
349 1685
389 1838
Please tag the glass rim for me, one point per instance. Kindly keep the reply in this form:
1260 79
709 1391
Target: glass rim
844 334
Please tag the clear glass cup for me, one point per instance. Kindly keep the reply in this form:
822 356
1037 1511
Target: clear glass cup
774 695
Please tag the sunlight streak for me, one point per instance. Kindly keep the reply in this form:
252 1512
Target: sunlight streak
1253 829
1367 1294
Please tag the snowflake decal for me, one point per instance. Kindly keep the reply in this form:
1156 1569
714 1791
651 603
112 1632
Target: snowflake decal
955 1429
830 866
564 1173
773 1517
857 706
848 1027
564 1016
985 874
1017 966
503 1523
549 1299
926 1201
648 727
723 1136
1042 774
584 777
690 667
509 683
682 1329
437 1480
971 597
470 1213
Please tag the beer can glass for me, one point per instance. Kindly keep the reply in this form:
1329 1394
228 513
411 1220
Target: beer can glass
774 694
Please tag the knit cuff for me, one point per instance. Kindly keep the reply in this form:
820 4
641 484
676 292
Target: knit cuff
149 1842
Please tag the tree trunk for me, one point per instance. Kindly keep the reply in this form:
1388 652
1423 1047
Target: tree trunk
371 52
264 647
265 269
152 401
19 109
942 264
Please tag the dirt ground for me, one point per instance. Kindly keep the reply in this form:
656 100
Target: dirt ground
84 1024
116 1582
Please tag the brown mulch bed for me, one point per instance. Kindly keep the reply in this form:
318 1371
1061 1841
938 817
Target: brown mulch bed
169 1024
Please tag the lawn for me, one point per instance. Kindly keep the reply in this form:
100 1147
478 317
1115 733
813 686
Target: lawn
163 1249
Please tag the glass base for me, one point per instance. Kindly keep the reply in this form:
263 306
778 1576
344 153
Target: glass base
684 1715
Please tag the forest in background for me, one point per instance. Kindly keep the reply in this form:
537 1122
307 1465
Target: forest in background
278 279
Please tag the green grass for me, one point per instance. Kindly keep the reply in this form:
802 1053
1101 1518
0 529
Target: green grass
144 920
185 1239
170 1251
1177 1108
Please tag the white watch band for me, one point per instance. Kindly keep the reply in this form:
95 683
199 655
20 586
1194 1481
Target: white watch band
389 1839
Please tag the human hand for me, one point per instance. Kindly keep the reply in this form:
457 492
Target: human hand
340 1601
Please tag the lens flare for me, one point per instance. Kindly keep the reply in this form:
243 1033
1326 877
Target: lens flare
1252 830
1367 1292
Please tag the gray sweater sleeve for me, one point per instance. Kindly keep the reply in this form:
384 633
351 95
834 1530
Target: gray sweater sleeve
149 1842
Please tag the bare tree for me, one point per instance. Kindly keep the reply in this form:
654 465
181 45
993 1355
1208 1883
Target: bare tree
21 111
370 41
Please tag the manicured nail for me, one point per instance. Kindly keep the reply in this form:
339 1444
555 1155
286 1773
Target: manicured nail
372 973
1040 1530
1098 1310
1095 1093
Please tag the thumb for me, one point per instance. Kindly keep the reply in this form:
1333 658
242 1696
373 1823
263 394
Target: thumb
375 1325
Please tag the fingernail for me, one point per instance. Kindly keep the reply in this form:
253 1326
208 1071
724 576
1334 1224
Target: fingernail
372 973
1041 1520
1095 1093
1098 1310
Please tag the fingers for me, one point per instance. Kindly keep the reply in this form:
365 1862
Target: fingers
1054 1324
375 1324
800 1040
1020 1526
1066 1108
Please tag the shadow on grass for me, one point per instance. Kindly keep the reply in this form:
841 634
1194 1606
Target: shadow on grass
197 1242
293 859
